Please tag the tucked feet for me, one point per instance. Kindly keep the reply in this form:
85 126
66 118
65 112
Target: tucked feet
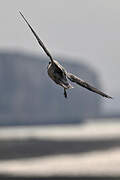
65 93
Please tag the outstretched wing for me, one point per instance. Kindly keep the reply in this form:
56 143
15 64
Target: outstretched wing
38 39
82 83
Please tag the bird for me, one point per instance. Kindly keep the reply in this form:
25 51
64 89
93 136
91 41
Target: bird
58 73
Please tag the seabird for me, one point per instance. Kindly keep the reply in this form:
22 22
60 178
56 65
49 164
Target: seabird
58 74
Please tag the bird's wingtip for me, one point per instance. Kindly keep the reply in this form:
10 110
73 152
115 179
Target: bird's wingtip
109 97
20 13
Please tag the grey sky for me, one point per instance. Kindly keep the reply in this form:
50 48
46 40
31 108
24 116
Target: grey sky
84 29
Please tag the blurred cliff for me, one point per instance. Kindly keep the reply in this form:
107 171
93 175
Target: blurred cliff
28 96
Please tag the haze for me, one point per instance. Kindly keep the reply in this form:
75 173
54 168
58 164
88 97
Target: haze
84 29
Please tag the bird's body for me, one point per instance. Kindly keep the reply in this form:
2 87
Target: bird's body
59 75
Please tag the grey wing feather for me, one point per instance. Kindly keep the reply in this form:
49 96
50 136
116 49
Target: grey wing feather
84 84
38 39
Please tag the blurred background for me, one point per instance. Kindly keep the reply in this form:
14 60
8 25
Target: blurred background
42 134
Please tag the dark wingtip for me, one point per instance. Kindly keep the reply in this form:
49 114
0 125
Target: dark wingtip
20 12
109 97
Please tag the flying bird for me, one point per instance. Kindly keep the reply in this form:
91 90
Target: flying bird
58 74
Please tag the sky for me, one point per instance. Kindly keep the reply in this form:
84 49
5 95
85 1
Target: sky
86 30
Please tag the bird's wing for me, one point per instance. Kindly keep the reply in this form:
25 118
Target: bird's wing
38 39
82 83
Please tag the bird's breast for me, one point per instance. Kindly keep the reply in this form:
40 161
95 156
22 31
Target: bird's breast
51 72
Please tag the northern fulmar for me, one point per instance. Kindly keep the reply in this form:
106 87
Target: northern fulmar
59 75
